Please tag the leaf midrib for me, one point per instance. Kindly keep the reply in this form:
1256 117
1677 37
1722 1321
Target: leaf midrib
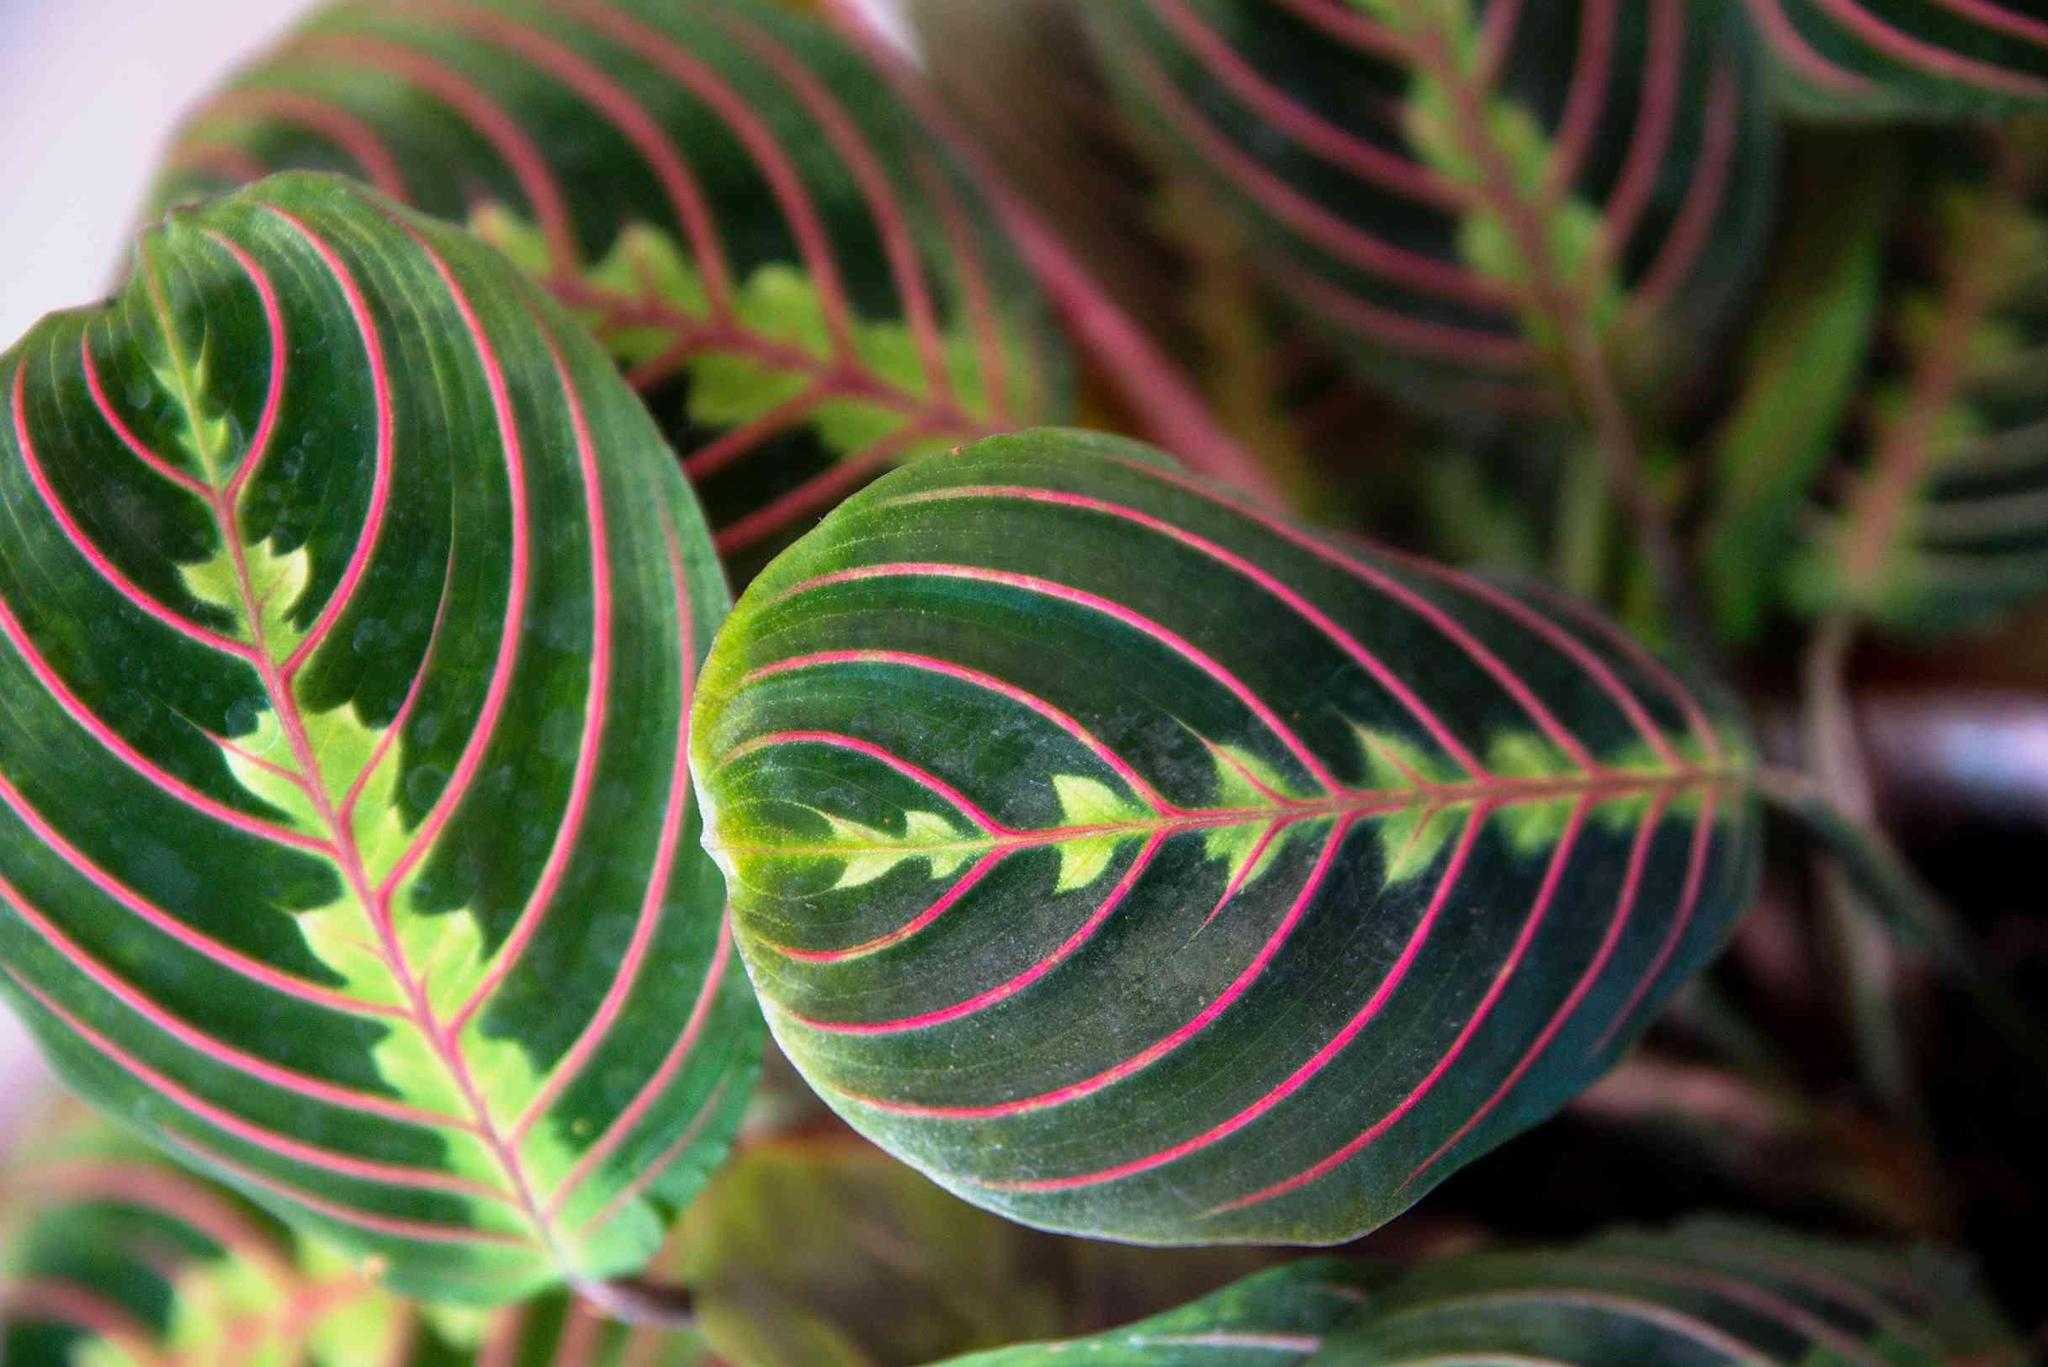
340 838
1356 804
1884 503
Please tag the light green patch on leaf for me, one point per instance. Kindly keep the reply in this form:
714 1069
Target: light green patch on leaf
1245 780
871 852
370 937
360 1329
386 954
1087 804
1506 161
322 1310
210 1300
1413 836
645 294
205 432
1538 823
1247 783
275 583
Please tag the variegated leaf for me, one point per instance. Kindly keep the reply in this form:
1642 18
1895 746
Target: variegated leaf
1810 347
1476 196
1138 865
787 264
1274 1319
111 1257
1941 517
1893 57
1710 1292
349 608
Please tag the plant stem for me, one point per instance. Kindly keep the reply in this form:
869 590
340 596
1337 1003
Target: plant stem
1583 510
1869 960
1912 912
632 1301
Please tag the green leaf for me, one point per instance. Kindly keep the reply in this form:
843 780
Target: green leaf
1473 200
349 608
820 1252
1710 1291
1273 1319
1810 344
789 266
112 1257
1891 58
1257 880
1944 519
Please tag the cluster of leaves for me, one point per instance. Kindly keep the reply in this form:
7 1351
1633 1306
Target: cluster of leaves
402 829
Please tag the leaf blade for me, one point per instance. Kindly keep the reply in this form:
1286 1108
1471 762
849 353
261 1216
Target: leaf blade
303 813
792 269
1865 58
1143 838
1462 197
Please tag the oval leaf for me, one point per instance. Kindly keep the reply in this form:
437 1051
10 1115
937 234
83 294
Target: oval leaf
349 606
1709 1292
1892 57
1273 1319
1944 522
111 1257
1140 866
1469 194
792 271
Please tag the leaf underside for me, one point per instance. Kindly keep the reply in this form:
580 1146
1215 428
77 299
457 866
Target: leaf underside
1941 517
1711 1292
1868 58
1138 866
349 607
1461 192
792 271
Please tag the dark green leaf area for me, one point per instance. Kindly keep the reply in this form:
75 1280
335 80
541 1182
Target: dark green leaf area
1135 864
349 610
1865 58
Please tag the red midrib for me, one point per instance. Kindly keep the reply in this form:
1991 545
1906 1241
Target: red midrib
342 848
1879 512
831 377
1430 799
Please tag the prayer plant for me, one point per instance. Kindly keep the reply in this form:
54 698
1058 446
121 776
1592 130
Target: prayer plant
1108 846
